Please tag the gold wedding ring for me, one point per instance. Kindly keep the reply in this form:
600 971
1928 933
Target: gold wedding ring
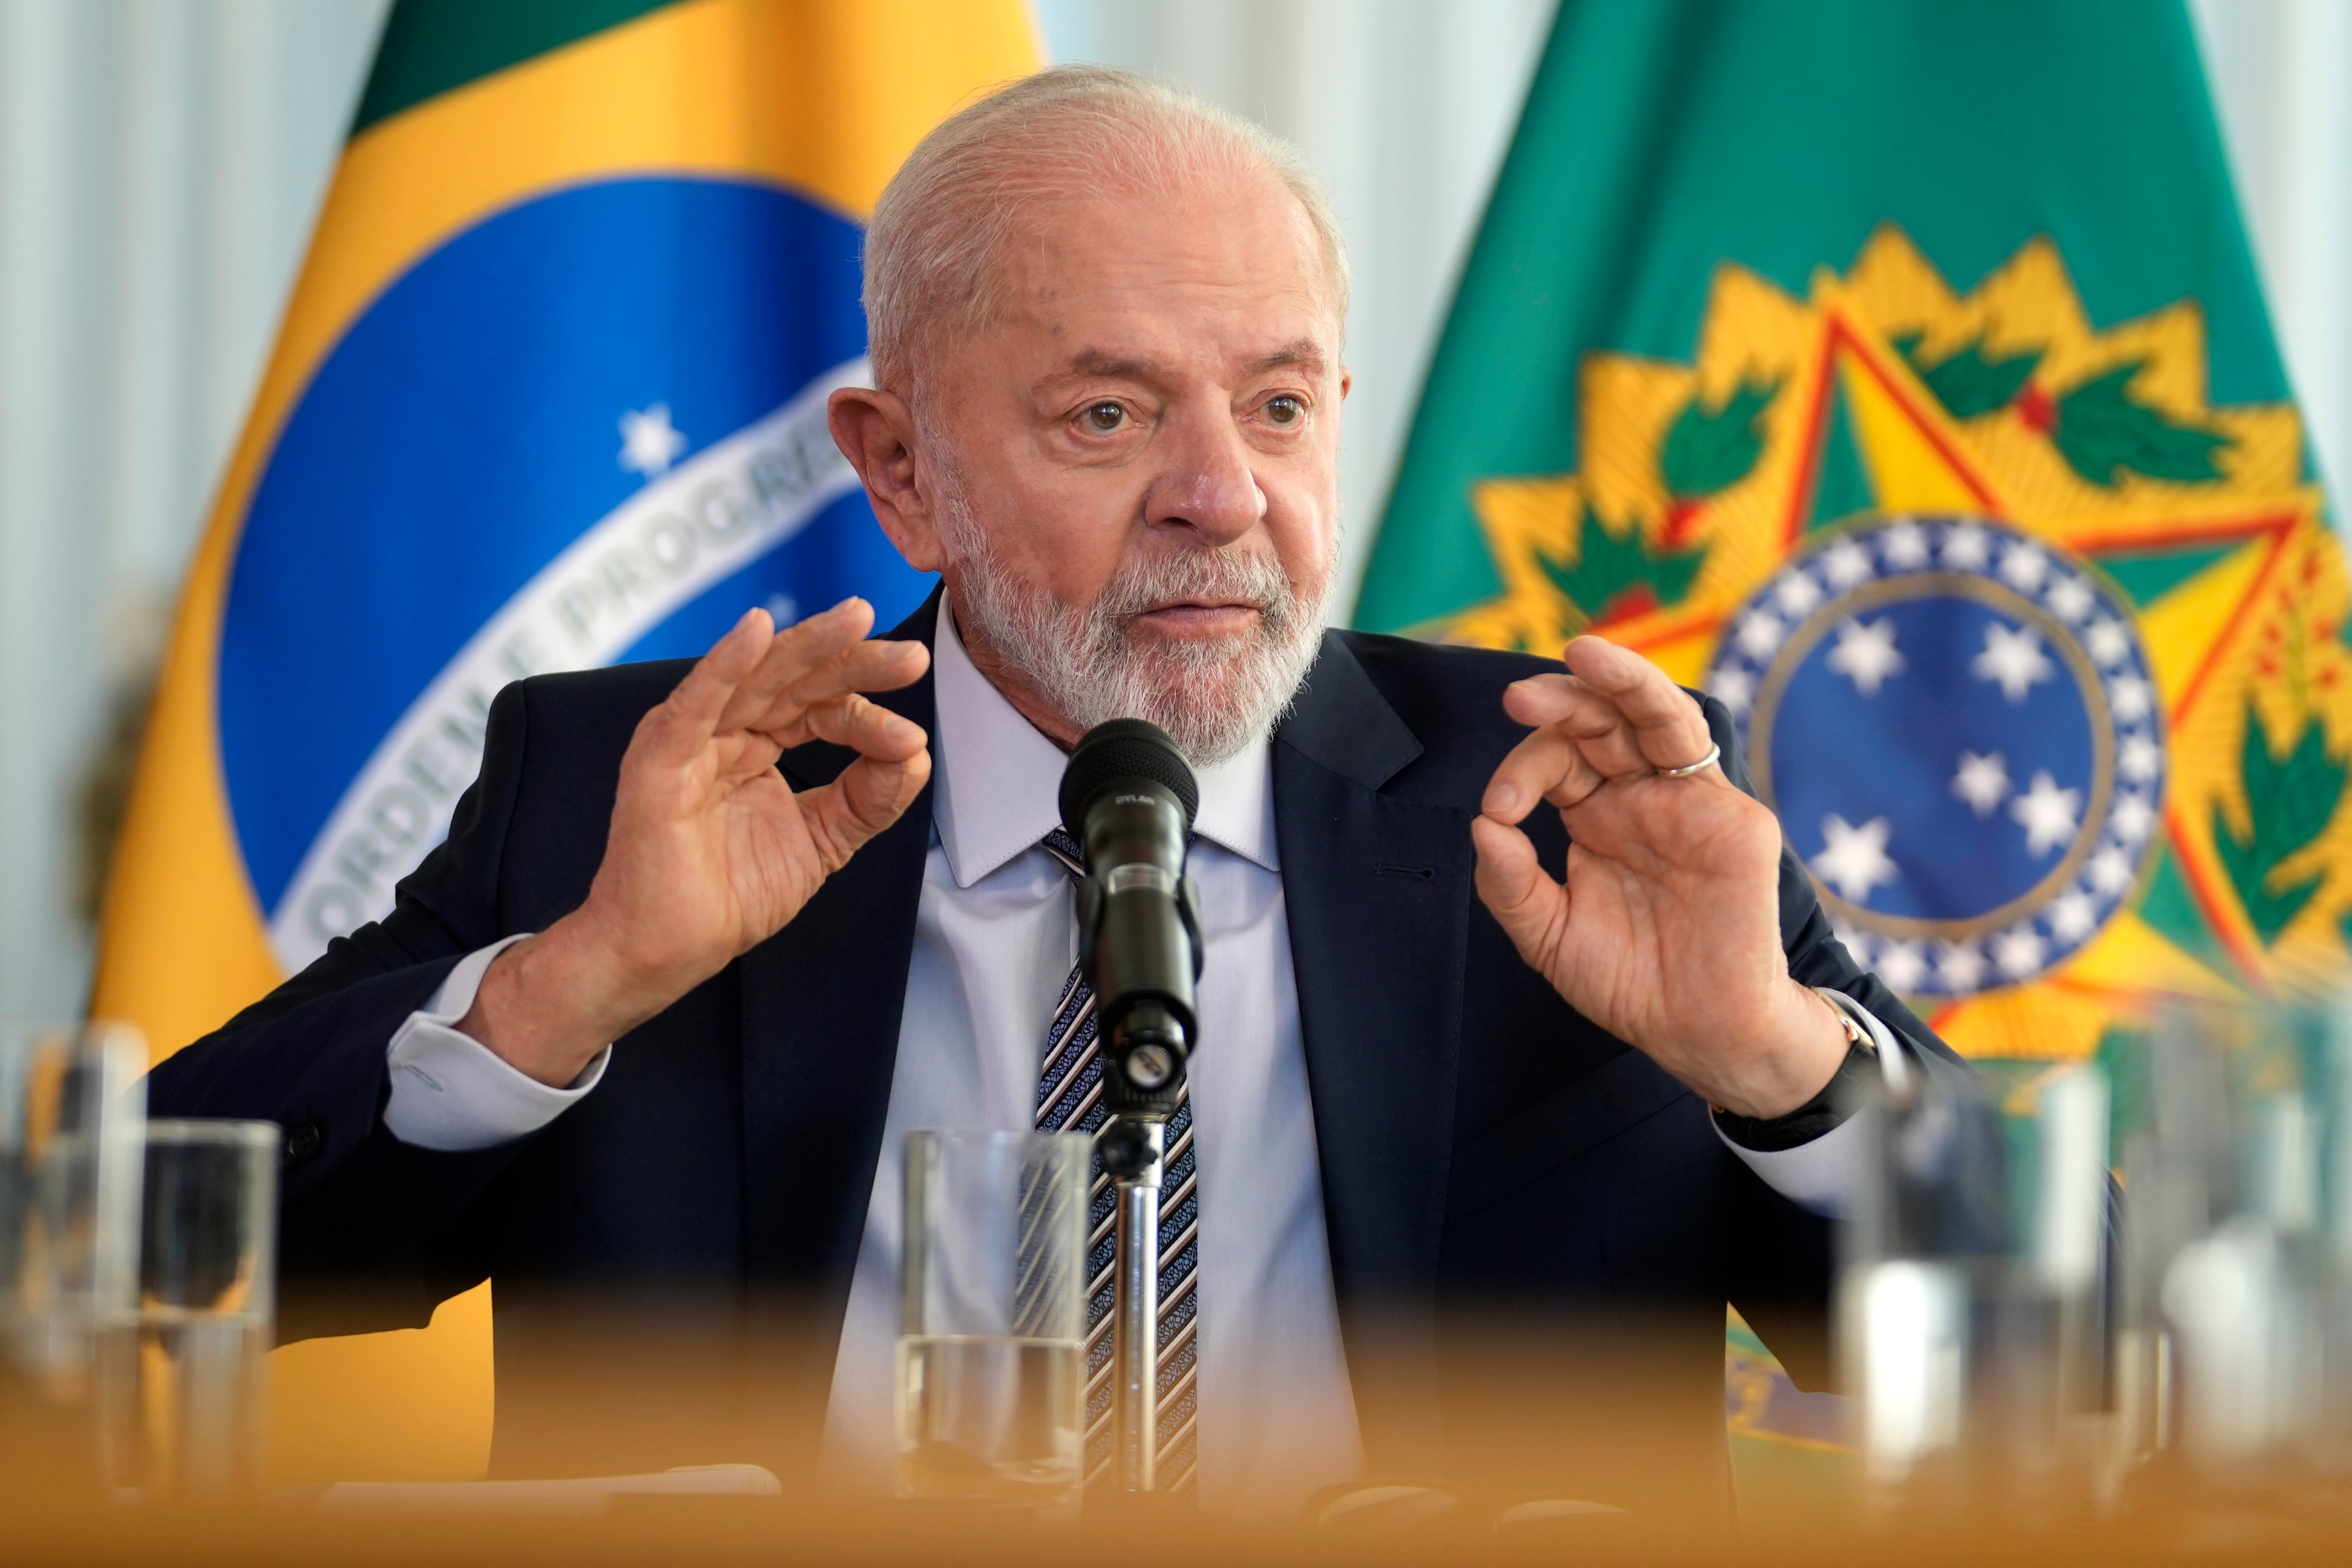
1714 755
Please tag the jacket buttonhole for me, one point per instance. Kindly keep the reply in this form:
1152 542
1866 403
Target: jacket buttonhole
1426 873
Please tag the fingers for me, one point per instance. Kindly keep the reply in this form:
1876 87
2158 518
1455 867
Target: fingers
1564 704
1546 765
862 666
792 653
1530 906
1614 715
755 678
894 761
1626 715
867 797
1667 724
691 713
822 660
867 728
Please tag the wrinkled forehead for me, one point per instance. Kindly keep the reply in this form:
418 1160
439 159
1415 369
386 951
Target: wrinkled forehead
1226 268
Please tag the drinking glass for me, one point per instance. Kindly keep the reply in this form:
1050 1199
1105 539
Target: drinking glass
992 1347
182 1374
72 1108
2238 1215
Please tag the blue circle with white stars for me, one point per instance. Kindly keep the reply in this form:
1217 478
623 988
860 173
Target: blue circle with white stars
1956 865
1956 725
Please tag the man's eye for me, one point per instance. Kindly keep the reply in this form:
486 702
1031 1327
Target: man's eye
1105 417
1285 410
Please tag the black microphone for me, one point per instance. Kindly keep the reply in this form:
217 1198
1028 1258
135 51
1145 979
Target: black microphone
1128 797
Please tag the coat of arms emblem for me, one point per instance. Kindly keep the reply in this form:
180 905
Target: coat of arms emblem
2040 657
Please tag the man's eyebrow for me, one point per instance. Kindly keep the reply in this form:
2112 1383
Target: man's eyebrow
1303 351
1096 361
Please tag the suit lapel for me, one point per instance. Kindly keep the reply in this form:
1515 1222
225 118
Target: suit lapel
821 1005
1377 890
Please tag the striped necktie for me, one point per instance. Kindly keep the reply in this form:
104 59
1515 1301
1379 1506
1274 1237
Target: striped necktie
1069 1100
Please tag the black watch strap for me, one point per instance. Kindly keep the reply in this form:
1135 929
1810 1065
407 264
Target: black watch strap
1816 1116
1836 1102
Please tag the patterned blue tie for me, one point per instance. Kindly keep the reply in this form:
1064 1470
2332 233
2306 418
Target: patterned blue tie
1069 1100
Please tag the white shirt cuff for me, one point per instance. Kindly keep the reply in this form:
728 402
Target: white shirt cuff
452 1093
1821 1175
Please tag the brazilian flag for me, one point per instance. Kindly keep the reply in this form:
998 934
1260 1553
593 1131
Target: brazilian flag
1896 371
549 393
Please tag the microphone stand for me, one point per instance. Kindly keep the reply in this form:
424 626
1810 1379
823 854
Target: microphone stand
1127 796
1143 1073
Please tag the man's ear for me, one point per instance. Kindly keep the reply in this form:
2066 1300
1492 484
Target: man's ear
875 431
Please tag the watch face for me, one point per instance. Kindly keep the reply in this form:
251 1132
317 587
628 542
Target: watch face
1854 1032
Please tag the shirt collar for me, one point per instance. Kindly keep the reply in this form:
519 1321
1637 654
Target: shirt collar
1000 779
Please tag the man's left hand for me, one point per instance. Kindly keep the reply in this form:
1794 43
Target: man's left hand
1668 931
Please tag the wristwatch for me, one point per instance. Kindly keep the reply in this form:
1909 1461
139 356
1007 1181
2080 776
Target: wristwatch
1863 1064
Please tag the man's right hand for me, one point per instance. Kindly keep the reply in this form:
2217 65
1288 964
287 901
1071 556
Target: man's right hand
710 852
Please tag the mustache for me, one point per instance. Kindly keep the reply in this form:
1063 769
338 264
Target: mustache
1217 577
1088 664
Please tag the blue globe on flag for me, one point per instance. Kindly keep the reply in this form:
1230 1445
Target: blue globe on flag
2016 763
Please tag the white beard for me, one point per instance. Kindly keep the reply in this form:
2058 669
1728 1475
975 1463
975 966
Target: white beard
1213 698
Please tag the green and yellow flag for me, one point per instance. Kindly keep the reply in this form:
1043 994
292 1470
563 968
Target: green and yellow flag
1896 371
549 393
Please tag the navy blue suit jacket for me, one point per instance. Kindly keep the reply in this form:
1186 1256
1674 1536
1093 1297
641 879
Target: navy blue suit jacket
1484 1149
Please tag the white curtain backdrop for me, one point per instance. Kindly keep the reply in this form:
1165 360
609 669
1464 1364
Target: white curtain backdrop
160 165
2282 77
161 162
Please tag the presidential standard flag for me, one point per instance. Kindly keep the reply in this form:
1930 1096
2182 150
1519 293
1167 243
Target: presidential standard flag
1896 370
550 394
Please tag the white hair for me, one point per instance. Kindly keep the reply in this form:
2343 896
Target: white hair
948 215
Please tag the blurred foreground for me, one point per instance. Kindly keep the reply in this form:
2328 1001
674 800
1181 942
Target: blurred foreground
1480 1512
2097 1311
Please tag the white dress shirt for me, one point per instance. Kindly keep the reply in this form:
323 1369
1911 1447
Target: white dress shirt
996 934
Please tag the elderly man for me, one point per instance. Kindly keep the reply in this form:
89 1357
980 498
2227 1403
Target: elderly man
705 942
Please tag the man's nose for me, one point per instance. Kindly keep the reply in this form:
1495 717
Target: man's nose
1210 487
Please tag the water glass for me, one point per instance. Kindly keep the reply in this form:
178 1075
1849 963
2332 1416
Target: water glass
72 1108
992 1348
1969 1311
182 1374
